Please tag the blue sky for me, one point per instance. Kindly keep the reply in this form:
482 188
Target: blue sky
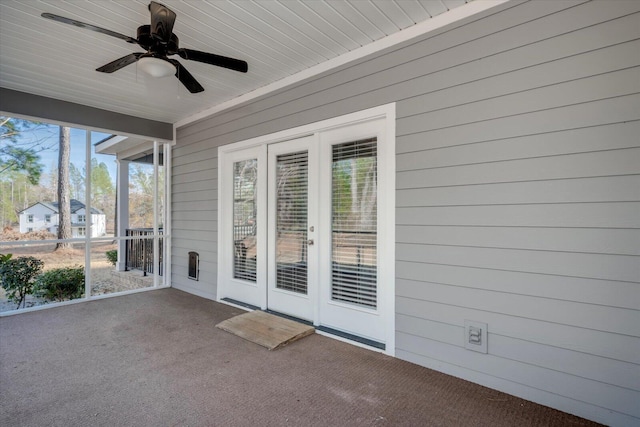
47 136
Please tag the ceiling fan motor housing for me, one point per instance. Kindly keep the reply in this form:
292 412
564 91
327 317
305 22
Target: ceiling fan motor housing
153 45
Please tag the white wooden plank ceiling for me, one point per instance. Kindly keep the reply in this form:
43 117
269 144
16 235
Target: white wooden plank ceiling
278 38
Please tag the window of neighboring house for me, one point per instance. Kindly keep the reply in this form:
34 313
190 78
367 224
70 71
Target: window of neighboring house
47 218
30 229
82 218
82 231
30 218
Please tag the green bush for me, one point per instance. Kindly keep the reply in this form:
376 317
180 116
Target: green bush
61 284
112 256
17 276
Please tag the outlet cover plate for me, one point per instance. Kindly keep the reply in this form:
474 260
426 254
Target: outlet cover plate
475 336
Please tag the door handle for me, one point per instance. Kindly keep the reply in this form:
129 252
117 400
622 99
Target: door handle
310 242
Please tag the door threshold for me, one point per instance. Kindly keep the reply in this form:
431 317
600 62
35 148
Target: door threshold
275 313
286 316
240 304
351 337
347 337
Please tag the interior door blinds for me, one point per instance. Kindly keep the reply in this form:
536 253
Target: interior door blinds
291 223
354 223
245 179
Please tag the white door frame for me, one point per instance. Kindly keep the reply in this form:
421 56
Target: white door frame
386 209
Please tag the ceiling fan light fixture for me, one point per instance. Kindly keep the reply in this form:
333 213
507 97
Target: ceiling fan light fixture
156 67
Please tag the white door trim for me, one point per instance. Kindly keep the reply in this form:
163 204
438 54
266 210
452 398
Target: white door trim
386 208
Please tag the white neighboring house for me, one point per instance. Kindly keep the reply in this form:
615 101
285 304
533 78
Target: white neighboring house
44 216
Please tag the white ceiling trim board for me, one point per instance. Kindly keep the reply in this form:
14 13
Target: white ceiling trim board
419 29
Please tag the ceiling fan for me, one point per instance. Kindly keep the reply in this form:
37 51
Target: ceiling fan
159 42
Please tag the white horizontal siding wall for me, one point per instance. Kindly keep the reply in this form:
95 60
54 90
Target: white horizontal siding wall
194 216
518 195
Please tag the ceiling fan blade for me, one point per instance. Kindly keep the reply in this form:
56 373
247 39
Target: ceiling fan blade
162 20
88 27
186 78
210 58
119 63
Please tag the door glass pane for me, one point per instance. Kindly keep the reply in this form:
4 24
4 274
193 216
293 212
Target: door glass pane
291 222
354 219
245 184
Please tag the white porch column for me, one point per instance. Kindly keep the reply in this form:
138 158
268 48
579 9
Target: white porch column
122 210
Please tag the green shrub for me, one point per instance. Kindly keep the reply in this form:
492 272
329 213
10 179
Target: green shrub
112 256
17 276
61 284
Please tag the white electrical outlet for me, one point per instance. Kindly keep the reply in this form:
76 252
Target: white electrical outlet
475 336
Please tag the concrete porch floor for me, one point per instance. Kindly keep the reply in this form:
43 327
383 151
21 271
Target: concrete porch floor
156 359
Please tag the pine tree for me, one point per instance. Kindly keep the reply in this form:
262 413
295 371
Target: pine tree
64 199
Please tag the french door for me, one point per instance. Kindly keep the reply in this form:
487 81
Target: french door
350 295
243 235
302 229
292 221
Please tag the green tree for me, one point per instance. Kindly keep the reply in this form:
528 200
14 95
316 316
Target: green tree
341 191
102 188
103 191
16 155
17 277
17 158
355 193
61 284
76 177
21 141
16 193
64 201
141 196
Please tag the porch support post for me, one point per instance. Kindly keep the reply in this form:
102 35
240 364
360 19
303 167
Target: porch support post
156 246
123 211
